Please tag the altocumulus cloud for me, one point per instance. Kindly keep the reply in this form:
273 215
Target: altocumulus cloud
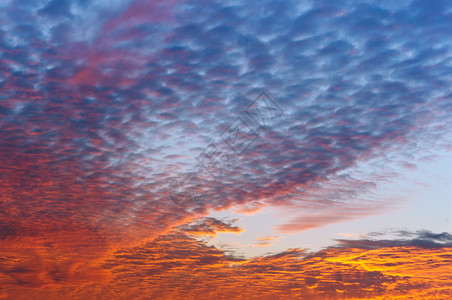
103 103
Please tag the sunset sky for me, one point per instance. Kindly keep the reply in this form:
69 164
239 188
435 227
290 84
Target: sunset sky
194 149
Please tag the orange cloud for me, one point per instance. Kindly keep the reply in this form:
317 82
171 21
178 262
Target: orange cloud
249 208
265 241
176 266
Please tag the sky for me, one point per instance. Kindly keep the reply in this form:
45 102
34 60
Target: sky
188 149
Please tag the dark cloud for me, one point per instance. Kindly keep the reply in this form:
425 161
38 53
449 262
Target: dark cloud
209 226
56 8
422 239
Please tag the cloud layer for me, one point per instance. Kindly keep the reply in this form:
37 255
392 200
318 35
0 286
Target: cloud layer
175 266
104 105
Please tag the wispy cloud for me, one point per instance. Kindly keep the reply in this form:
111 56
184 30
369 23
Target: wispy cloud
266 241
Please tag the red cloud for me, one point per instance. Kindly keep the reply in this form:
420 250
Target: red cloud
175 266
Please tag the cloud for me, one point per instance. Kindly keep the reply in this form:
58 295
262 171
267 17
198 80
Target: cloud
104 104
249 208
420 239
177 266
57 8
309 220
265 241
210 226
350 235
